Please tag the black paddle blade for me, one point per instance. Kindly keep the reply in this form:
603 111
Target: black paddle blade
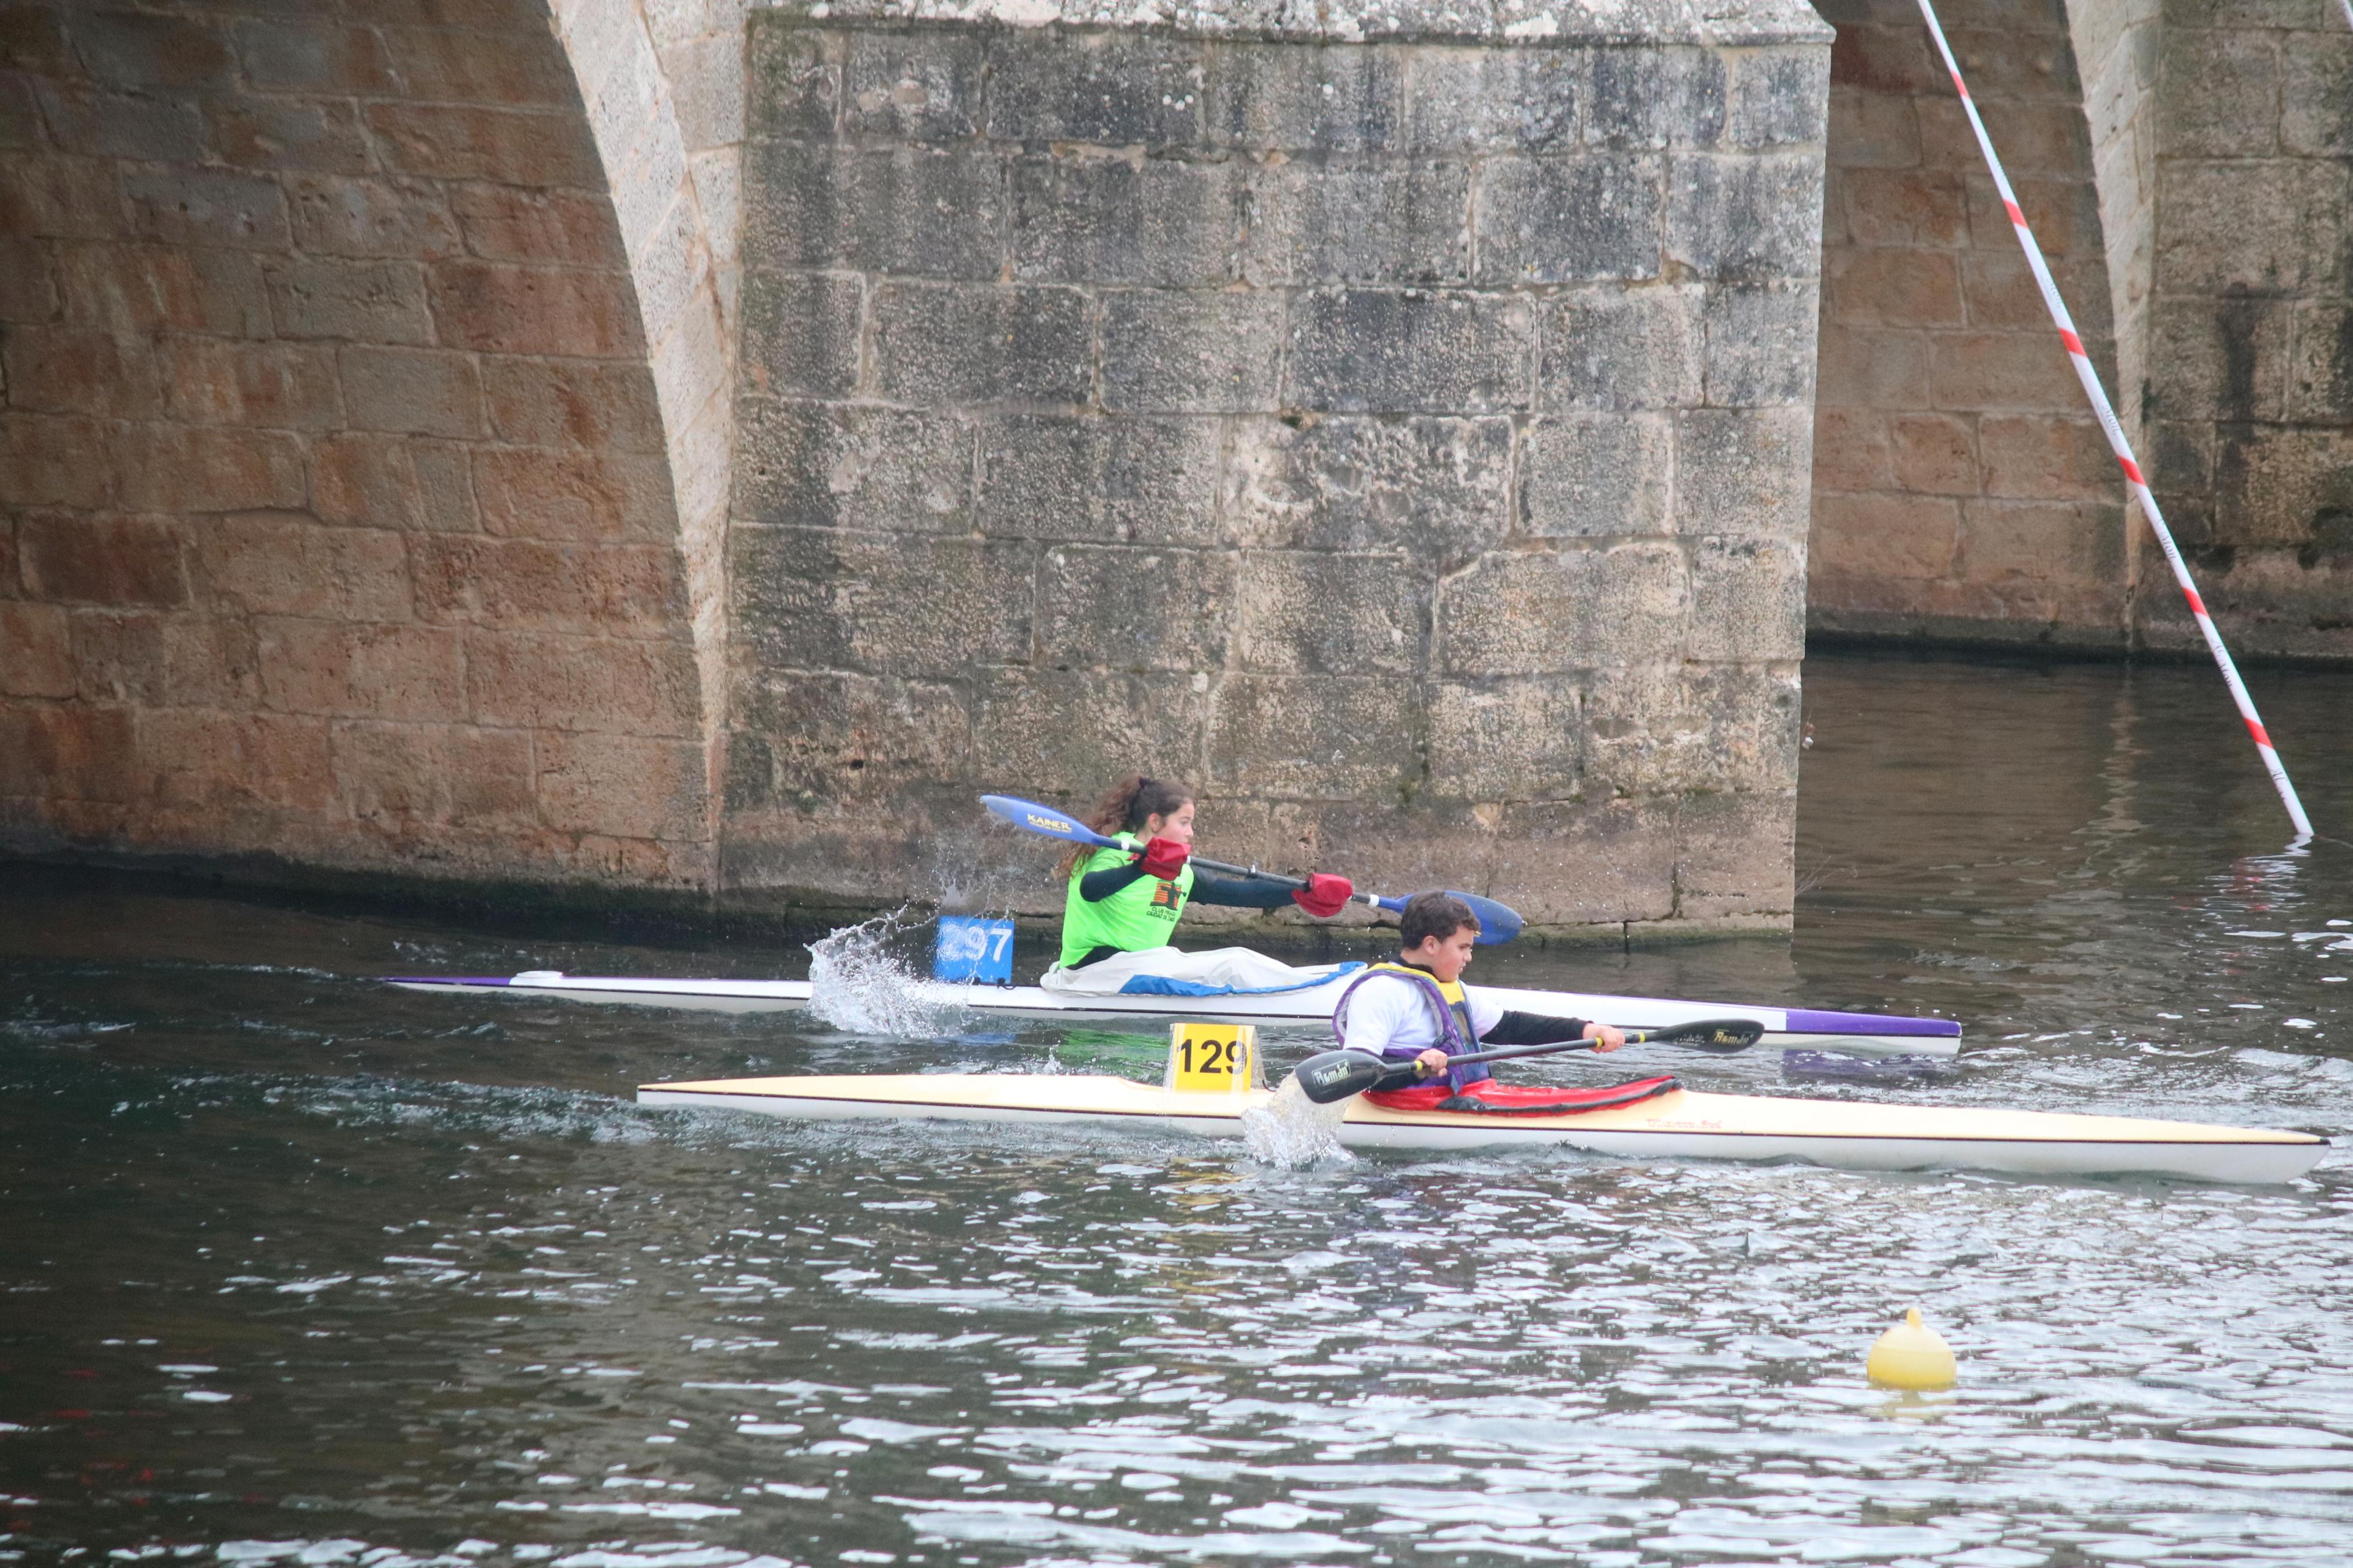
1335 1075
1725 1035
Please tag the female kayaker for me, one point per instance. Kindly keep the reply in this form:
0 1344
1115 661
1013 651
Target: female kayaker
1418 1009
1127 900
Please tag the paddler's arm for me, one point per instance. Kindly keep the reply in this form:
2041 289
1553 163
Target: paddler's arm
1238 892
1209 887
1097 885
1323 896
1515 1028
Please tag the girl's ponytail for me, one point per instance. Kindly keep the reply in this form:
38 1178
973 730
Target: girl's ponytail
1124 808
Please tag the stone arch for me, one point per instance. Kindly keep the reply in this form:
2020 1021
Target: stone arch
363 440
1961 486
2189 168
672 179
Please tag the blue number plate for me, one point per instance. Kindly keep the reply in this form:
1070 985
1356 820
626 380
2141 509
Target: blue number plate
973 950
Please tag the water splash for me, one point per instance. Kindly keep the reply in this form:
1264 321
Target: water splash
857 982
1292 1131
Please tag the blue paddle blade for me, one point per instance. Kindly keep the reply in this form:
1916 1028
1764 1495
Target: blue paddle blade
1032 817
1497 922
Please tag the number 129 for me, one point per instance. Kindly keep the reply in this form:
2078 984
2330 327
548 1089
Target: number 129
1216 1056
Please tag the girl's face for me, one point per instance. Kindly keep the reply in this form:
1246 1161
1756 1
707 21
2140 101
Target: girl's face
1176 824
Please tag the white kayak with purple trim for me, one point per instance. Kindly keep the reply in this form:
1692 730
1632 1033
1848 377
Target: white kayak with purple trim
1302 1007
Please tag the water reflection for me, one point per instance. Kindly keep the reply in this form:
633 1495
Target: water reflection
300 1270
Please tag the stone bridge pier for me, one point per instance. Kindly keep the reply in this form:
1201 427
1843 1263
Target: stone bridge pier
1399 428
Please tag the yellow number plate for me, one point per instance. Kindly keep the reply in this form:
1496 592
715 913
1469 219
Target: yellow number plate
1212 1058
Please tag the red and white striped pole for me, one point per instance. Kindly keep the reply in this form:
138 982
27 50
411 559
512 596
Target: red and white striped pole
2135 486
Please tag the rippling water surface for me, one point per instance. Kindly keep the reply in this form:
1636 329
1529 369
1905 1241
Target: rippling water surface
298 1269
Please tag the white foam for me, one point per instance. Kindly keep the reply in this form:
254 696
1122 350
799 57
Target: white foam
1290 1130
857 983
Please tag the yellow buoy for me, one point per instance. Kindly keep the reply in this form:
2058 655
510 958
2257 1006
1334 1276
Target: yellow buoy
1911 1355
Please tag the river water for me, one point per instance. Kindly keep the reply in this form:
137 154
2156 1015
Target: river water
298 1269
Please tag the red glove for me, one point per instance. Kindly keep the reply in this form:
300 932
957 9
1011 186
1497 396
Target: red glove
1164 858
1323 896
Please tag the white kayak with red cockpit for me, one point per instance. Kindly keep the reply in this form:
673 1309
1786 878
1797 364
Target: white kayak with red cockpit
1679 1125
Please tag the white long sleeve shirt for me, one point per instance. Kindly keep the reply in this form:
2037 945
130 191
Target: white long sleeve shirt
1389 1015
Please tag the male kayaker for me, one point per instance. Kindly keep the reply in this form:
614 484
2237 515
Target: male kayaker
1417 1010
1123 904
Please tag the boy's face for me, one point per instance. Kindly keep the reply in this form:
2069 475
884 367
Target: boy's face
1444 956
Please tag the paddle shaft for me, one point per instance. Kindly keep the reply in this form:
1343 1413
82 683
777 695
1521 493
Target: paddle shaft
1331 1075
1372 900
1634 1037
1510 1053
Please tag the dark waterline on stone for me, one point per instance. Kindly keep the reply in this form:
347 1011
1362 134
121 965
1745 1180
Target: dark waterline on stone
300 1269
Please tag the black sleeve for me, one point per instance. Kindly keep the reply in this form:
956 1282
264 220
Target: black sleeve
1238 892
1532 1029
1097 885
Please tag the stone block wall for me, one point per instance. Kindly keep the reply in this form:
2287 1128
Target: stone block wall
2188 166
337 521
1962 487
1400 429
2250 381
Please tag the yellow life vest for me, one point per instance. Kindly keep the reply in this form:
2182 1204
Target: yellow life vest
1449 1010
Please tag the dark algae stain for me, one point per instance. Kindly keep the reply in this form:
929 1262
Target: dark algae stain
2238 321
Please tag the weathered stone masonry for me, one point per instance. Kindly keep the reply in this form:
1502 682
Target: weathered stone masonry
1961 485
369 395
1404 437
344 376
2189 169
2250 381
1397 422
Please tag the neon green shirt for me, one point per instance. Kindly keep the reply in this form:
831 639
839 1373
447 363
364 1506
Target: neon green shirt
1142 914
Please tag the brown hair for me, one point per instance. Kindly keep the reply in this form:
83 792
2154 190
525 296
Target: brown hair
1124 808
1427 915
